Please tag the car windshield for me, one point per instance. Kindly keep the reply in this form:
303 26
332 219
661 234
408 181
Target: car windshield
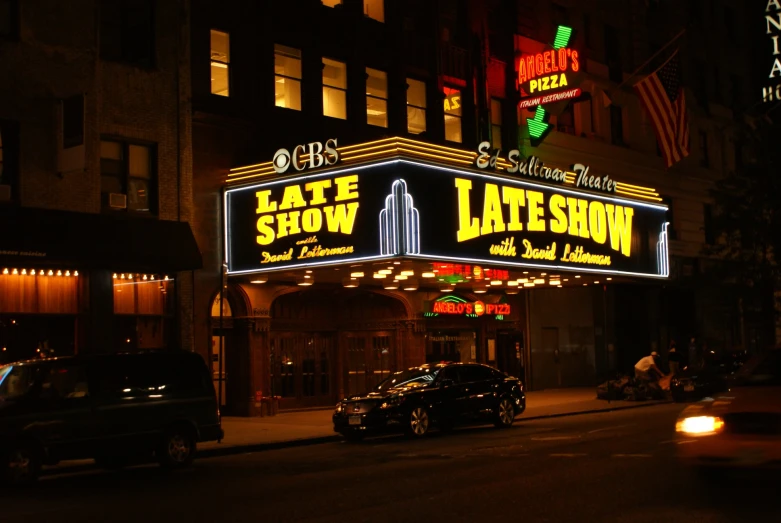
15 381
765 372
409 378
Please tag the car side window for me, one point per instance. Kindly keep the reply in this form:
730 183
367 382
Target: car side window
64 382
474 373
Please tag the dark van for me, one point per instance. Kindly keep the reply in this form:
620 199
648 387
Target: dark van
115 408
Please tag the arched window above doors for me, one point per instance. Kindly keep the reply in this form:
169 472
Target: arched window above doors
226 307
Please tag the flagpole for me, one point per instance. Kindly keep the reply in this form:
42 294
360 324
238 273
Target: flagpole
674 38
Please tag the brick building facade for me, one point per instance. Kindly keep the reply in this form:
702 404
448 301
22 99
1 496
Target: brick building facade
96 180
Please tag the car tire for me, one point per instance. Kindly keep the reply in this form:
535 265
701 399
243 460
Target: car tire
177 448
418 422
505 414
21 465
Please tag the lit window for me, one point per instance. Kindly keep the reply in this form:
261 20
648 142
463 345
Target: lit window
220 63
416 106
126 169
453 115
334 89
332 3
376 97
287 77
374 9
496 123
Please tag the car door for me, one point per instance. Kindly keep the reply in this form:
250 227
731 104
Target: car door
480 388
450 398
66 420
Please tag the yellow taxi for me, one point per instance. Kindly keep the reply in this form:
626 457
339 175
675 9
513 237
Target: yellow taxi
738 428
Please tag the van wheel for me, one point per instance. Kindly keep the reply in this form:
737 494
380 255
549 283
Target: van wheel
21 465
177 448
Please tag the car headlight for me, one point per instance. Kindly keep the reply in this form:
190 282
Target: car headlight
392 402
700 425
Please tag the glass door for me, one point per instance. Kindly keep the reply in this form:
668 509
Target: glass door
370 359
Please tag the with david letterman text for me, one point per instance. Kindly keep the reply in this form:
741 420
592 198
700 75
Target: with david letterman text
528 251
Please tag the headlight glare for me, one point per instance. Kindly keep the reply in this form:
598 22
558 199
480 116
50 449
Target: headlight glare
700 425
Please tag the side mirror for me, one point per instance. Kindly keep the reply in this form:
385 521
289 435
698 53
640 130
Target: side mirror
445 383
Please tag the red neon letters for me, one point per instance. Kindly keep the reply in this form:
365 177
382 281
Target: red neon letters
479 308
547 62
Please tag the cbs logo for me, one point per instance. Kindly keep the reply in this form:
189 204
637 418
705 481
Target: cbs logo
311 156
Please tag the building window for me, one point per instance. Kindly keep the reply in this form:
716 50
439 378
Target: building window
127 176
717 85
220 47
127 31
704 156
710 237
334 89
738 144
332 3
616 125
374 9
9 19
587 31
496 123
416 106
9 156
729 22
737 91
287 77
453 115
376 97
613 54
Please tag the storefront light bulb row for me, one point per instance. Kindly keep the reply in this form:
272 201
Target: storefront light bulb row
131 276
39 272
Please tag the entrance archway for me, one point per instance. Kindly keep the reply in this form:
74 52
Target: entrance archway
329 343
229 350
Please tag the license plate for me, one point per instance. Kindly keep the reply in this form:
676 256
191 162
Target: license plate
688 388
355 420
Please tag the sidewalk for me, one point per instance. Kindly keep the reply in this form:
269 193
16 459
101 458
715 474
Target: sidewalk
311 427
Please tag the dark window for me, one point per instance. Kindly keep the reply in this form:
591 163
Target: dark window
616 125
695 12
613 54
710 236
127 31
9 160
737 90
471 373
73 121
587 30
560 15
738 144
9 19
668 201
128 176
729 22
704 156
717 97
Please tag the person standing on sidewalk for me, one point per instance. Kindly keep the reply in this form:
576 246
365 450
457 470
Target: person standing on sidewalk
674 359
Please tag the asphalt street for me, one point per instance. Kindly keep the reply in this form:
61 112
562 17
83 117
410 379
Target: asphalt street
609 467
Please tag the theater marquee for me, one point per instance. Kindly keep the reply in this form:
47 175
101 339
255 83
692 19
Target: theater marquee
406 208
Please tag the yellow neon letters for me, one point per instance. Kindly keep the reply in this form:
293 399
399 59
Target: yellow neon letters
579 217
339 218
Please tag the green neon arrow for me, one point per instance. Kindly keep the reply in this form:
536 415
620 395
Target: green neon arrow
563 34
538 126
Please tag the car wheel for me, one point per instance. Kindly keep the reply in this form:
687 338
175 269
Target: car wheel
418 422
177 448
505 414
21 466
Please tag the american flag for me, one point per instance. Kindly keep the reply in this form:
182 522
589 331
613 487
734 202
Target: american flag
662 96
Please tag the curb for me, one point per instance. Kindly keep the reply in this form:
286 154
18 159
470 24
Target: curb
232 450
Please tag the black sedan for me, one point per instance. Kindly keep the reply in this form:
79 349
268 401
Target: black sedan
442 395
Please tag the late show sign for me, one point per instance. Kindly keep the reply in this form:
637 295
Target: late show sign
405 208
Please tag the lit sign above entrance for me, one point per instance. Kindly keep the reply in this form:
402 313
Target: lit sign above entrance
405 208
478 308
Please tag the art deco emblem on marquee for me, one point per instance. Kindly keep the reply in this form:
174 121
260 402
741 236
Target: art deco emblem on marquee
399 222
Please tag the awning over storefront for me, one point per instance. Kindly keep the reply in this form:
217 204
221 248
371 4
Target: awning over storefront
33 236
